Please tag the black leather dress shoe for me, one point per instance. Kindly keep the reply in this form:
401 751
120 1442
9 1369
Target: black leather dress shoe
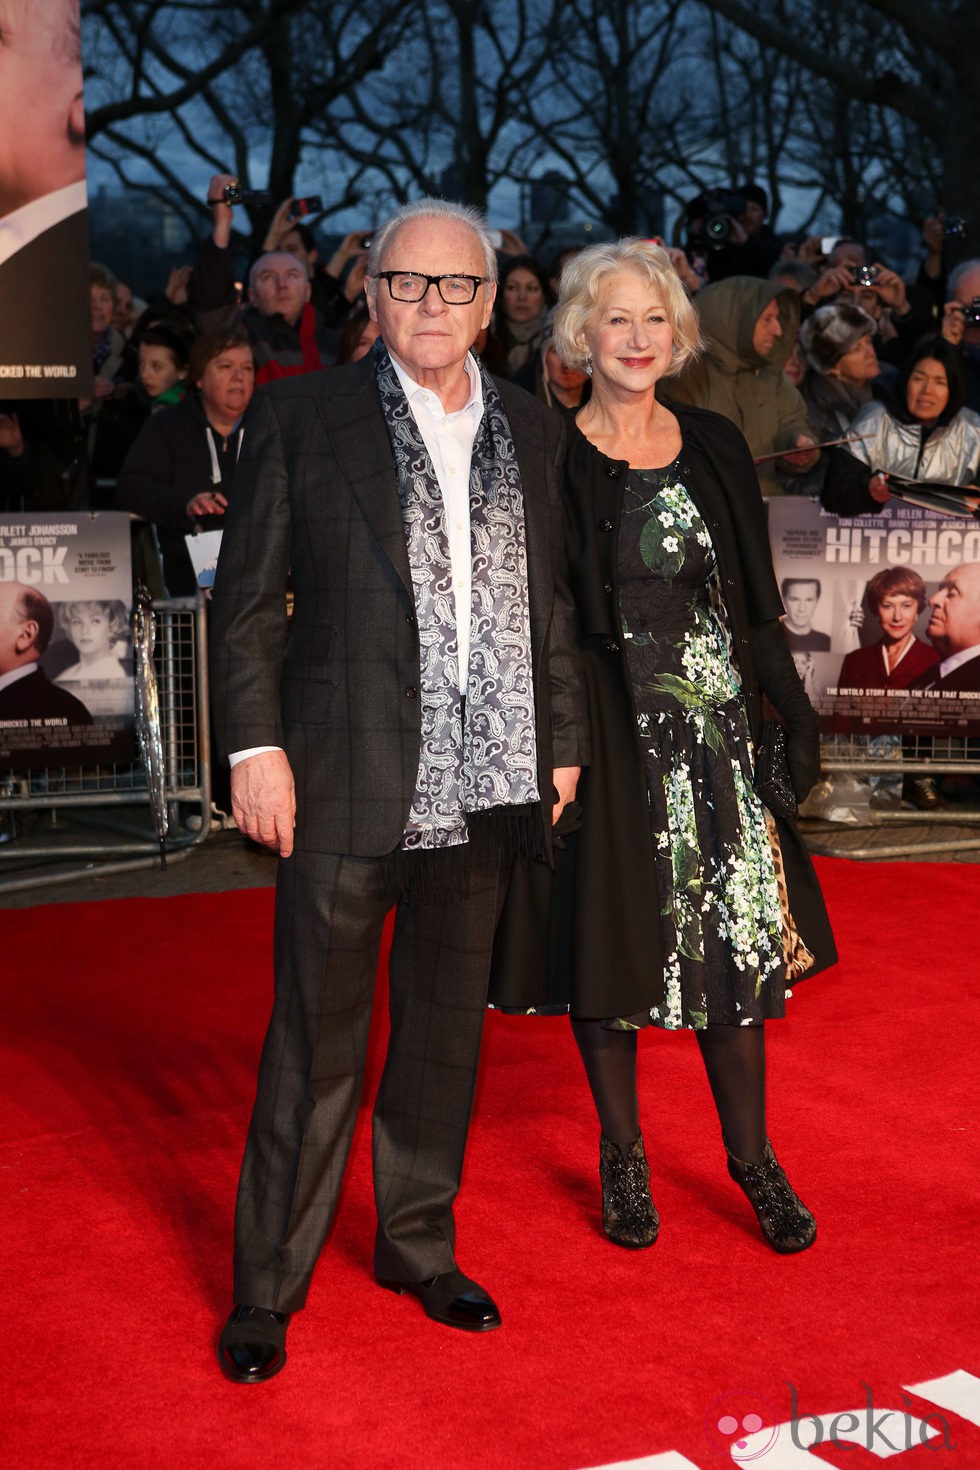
452 1299
252 1346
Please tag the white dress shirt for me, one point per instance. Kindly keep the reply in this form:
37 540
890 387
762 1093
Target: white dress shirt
449 439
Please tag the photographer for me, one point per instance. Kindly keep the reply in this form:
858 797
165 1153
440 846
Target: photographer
961 325
289 334
902 314
727 234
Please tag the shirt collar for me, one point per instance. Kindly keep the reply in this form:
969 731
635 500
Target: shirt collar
15 674
25 224
956 660
473 404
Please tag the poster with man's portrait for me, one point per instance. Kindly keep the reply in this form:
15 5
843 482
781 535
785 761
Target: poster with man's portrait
66 655
45 328
882 615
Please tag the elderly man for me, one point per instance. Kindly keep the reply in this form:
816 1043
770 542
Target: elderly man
26 692
419 722
289 334
954 632
43 220
961 323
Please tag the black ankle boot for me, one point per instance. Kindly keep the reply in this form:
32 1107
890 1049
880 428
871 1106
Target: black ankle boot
785 1220
629 1217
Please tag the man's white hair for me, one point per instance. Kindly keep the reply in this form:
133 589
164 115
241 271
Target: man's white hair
463 214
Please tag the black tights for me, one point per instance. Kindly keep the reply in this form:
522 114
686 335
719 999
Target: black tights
734 1059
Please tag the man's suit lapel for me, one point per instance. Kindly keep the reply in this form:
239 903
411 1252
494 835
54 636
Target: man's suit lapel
358 435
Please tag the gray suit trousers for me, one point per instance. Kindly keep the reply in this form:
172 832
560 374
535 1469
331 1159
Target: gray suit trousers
330 911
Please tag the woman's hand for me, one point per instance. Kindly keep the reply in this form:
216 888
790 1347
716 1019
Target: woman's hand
208 503
878 487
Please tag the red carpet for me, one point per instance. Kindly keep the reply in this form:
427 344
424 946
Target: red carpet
130 1034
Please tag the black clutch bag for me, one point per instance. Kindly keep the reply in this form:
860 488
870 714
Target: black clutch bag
771 777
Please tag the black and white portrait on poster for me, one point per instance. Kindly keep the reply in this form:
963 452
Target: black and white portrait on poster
45 332
66 657
882 615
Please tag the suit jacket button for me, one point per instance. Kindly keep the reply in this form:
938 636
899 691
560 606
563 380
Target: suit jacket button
605 525
411 692
611 647
410 619
608 589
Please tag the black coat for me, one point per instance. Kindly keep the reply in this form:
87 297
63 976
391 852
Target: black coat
605 927
169 465
316 498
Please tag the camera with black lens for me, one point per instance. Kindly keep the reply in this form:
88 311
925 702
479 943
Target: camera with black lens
864 275
235 194
971 313
722 213
954 227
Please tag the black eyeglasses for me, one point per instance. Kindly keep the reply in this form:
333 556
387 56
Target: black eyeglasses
412 286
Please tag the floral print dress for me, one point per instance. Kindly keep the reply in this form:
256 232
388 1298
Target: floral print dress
720 906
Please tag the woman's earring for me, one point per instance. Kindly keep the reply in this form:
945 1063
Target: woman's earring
587 364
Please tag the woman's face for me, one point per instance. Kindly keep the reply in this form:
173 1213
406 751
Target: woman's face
628 337
523 297
928 390
795 365
859 365
91 632
158 369
227 384
897 614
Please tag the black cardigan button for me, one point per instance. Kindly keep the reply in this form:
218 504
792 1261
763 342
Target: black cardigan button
605 525
613 471
607 589
610 647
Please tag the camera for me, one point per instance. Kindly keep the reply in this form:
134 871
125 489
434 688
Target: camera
955 227
722 209
235 194
299 208
971 313
864 275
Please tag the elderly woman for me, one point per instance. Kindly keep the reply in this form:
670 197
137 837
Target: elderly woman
689 907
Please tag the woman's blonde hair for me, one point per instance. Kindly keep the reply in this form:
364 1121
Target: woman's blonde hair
582 280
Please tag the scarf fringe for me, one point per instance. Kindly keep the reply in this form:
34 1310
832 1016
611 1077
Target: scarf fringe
441 875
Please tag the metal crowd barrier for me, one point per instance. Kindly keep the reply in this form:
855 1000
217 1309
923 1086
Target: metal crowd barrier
880 763
85 833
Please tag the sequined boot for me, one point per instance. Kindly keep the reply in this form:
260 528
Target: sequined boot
785 1220
629 1216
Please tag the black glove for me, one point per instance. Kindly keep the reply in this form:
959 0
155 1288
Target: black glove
784 689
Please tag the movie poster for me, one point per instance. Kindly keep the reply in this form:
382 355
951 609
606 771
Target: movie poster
882 615
66 655
45 327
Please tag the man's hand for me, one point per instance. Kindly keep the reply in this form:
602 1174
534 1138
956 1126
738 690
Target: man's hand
878 488
263 799
565 780
178 282
280 225
689 278
891 290
222 212
829 284
954 323
350 246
